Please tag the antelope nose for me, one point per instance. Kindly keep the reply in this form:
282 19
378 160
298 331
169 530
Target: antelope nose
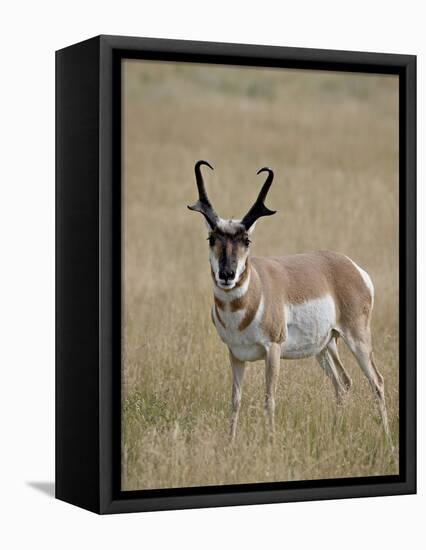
227 274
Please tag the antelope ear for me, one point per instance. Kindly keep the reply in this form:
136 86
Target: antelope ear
208 226
251 228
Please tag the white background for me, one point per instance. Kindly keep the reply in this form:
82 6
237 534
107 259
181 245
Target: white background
30 32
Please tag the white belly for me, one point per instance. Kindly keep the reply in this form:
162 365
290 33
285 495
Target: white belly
250 352
309 327
308 330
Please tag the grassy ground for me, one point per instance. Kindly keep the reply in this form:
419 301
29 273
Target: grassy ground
332 140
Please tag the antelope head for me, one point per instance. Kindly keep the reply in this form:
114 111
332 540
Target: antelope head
229 240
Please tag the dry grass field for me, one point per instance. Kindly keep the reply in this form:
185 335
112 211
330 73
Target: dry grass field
332 141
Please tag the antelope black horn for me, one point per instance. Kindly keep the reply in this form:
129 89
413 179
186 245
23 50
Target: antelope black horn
259 209
203 204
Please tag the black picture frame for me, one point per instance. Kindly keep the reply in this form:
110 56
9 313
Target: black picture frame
88 273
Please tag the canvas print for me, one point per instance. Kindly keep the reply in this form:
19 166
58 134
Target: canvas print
260 291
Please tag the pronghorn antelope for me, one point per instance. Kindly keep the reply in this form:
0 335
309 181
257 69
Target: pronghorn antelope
285 307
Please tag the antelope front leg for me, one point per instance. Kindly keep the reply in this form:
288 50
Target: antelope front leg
238 368
273 354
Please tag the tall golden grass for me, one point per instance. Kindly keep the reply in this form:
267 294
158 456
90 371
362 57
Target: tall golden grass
332 140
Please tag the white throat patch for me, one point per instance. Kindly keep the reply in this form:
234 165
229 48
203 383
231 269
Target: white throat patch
233 293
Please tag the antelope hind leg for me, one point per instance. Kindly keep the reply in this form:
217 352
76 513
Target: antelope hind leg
343 375
360 346
327 363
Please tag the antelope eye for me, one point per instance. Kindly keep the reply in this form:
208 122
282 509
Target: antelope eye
247 241
211 240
